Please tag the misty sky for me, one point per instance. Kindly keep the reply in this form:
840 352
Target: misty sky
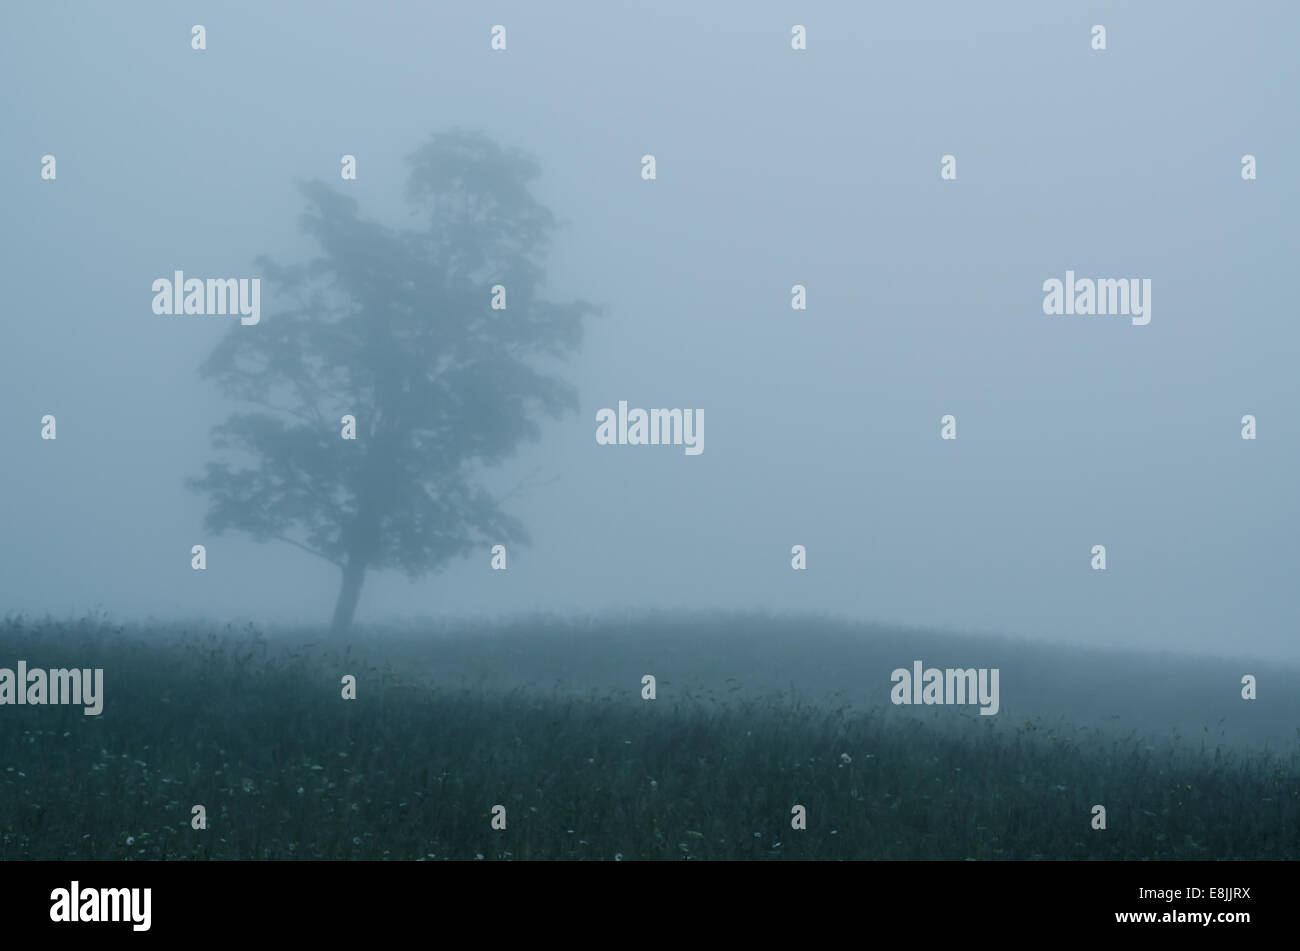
775 167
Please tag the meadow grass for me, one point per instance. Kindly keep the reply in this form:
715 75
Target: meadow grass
256 731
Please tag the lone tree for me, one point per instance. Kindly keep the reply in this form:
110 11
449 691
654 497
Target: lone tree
404 331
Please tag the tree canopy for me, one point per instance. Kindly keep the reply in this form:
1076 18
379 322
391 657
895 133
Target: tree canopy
396 328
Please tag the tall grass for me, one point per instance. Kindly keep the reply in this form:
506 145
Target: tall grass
258 734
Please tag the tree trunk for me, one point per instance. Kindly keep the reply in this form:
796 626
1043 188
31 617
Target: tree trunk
349 594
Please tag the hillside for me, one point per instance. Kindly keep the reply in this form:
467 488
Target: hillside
752 717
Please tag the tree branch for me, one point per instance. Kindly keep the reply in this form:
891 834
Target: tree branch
528 482
310 551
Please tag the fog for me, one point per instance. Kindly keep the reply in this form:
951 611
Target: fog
774 167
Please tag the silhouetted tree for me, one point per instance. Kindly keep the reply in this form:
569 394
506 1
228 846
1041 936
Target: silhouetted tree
396 329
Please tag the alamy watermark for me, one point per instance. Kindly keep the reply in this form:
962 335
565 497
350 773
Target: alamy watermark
75 686
950 685
1104 297
655 427
103 904
215 297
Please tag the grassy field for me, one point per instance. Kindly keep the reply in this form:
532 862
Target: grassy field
753 716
